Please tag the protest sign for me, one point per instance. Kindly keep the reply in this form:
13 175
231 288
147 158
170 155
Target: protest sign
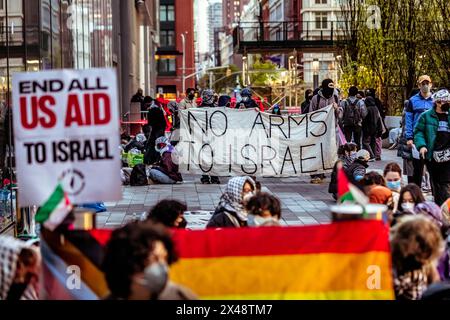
66 128
224 141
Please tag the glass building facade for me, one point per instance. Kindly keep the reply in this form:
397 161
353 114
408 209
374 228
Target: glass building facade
52 34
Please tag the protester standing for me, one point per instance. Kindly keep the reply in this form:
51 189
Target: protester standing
306 104
189 101
247 102
417 105
157 125
381 109
432 139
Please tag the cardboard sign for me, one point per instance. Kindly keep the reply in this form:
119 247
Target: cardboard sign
66 128
230 142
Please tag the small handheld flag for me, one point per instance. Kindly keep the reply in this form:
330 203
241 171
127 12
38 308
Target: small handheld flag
55 209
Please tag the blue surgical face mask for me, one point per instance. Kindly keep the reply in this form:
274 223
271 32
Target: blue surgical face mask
394 185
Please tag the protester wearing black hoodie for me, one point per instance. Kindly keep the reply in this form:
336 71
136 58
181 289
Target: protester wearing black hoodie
305 104
372 127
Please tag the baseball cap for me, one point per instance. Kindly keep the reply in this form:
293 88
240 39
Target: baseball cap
441 96
424 78
363 155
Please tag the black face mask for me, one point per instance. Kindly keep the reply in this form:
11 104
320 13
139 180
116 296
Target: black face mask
16 290
445 107
191 96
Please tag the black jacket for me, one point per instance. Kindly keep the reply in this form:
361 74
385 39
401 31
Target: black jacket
220 219
156 119
372 125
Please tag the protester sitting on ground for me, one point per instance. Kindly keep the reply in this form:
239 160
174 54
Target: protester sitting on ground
346 156
357 169
170 213
136 263
263 210
137 142
166 171
393 175
416 245
410 196
230 213
20 270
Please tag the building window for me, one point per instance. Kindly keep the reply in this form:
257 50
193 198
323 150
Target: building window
167 13
321 20
321 1
167 38
167 65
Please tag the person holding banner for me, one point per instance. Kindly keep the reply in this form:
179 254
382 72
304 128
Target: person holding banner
230 213
208 101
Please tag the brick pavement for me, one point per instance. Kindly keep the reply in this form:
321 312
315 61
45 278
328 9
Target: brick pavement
302 203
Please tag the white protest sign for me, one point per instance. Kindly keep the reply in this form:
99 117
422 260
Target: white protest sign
224 142
66 128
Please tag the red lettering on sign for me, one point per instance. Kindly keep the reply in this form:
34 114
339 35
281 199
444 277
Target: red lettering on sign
73 114
30 120
101 99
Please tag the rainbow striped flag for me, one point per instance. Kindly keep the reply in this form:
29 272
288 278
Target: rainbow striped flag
345 260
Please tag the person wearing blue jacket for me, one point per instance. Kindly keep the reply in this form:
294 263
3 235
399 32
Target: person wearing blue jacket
417 105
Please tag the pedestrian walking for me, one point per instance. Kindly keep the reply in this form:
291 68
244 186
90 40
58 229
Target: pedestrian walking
372 128
231 213
353 112
385 134
432 139
417 105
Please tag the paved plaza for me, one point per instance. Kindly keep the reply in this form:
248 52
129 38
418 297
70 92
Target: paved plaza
302 203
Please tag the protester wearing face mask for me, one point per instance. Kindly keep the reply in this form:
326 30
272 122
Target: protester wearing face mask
410 196
357 169
167 170
325 97
306 104
231 213
189 101
264 210
432 139
393 177
247 100
20 269
417 105
136 264
346 156
170 213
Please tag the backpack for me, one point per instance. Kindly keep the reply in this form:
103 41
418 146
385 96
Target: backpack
138 176
352 114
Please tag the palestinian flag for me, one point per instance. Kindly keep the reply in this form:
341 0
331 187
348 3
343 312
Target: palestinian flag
347 192
55 209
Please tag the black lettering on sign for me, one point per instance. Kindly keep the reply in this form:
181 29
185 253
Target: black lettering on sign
312 119
304 159
225 127
62 151
102 150
200 158
189 154
28 87
75 154
191 116
274 124
29 147
288 150
261 123
303 118
247 158
263 158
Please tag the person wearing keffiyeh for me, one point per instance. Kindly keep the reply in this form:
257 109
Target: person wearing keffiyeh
230 213
166 171
19 270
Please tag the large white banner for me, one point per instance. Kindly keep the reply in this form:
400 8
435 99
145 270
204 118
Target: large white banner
66 129
224 142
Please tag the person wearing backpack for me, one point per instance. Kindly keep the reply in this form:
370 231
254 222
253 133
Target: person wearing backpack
352 116
138 176
372 127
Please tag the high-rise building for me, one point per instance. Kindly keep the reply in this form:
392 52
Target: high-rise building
175 55
215 24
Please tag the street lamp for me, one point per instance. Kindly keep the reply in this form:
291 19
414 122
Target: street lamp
315 67
183 40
